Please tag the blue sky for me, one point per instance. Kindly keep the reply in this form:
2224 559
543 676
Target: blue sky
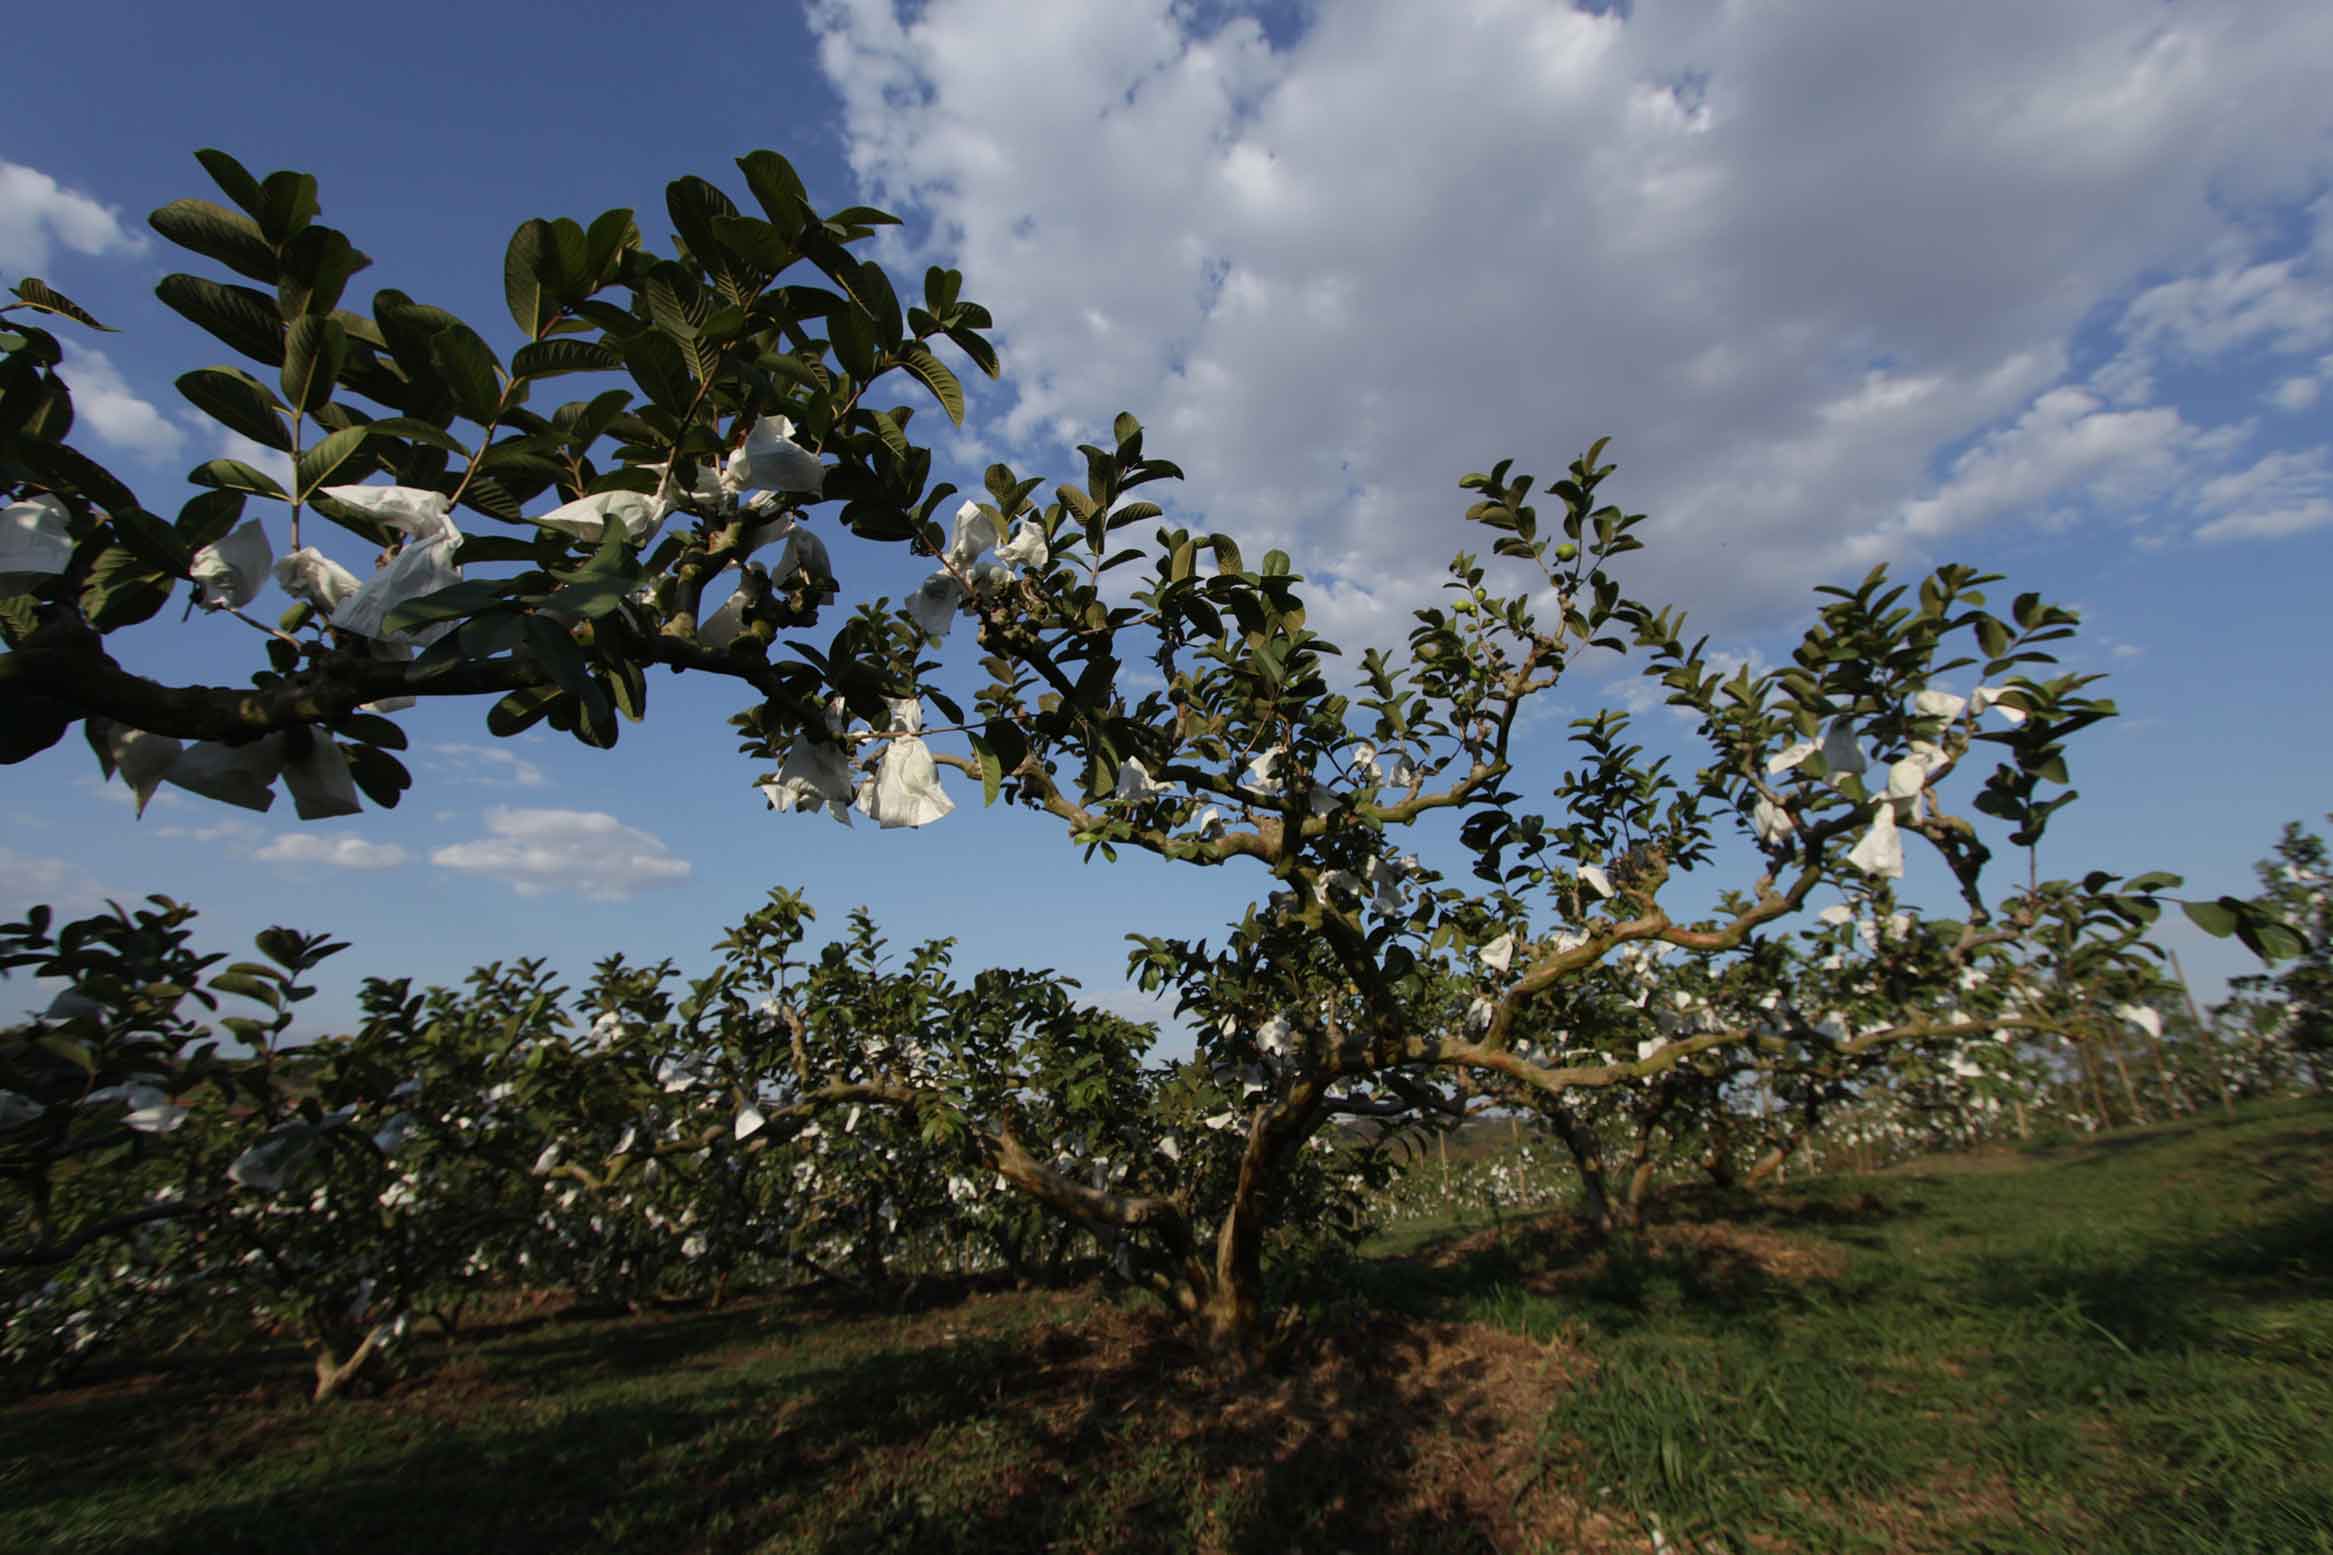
2049 290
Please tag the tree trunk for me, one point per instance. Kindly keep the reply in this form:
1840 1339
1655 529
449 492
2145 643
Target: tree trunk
2130 1092
2091 1067
1640 1183
1587 1158
1718 1159
336 1340
1231 1313
1772 1162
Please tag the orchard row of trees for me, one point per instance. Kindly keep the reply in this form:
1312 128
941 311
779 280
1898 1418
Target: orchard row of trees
847 1116
737 395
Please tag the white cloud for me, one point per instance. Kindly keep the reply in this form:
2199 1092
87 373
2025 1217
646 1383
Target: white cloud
2294 394
27 880
2273 305
2067 442
37 214
108 406
231 828
487 764
2301 391
587 853
2279 495
338 852
1786 254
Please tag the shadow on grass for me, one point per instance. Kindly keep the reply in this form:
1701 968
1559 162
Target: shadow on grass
1114 1436
2169 1294
1702 1255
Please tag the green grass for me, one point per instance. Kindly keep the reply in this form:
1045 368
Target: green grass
2118 1345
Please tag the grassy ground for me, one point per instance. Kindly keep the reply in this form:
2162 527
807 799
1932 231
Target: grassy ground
2123 1345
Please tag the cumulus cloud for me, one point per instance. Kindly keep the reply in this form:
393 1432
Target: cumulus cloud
586 853
38 215
487 764
1790 256
336 852
105 403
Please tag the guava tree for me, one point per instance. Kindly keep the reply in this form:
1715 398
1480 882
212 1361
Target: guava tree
162 1176
2296 886
546 561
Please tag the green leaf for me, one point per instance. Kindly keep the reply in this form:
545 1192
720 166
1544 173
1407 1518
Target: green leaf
629 684
244 319
2271 940
415 430
231 176
152 540
382 776
123 589
983 354
207 517
1009 745
692 203
894 436
239 402
249 987
779 189
935 376
854 342
882 304
672 301
531 305
287 203
654 362
612 234
467 363
590 598
451 603
991 769
500 631
757 242
317 264
549 645
318 461
314 351
2214 918
72 1052
215 232
65 468
38 294
548 358
235 475
604 408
